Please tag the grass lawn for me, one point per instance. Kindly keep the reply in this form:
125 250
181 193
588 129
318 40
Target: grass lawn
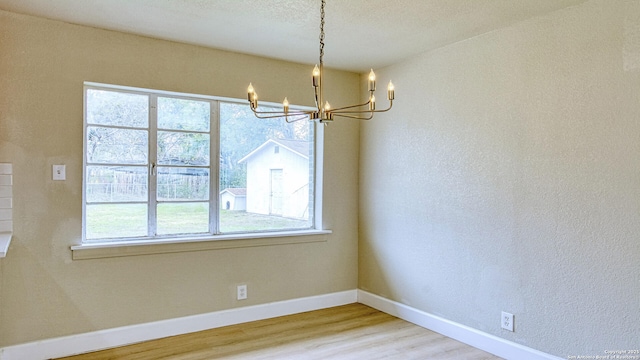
130 220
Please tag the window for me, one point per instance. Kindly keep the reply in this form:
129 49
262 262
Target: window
150 169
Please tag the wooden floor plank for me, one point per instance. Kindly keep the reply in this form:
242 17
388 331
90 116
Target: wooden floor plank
353 331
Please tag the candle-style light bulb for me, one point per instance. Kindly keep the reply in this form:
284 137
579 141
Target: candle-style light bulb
372 103
255 100
372 81
390 91
316 76
285 105
326 112
250 92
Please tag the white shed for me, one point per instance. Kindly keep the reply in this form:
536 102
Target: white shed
233 199
278 173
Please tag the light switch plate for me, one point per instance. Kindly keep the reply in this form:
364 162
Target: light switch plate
59 172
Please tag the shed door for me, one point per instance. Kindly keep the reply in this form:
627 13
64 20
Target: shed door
275 202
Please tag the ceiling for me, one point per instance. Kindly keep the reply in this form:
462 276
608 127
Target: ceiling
359 33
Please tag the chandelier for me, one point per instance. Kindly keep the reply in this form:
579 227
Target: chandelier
323 111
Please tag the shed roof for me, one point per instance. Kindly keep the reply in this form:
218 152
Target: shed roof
296 146
235 191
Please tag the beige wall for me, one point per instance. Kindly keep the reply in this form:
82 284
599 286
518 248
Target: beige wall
505 178
508 178
43 293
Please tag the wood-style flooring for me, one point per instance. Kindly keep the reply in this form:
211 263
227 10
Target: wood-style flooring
353 331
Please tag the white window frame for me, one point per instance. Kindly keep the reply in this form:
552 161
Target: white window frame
87 247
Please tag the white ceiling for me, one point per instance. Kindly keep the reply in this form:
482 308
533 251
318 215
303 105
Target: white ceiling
359 33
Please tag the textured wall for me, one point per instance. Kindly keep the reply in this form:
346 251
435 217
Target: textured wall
44 293
508 178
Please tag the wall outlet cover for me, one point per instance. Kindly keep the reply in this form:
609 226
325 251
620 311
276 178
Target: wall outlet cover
506 321
242 292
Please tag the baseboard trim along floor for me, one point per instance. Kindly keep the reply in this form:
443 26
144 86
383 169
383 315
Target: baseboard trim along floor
470 336
104 339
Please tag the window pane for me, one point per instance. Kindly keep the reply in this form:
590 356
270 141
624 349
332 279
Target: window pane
176 148
116 183
117 108
180 114
266 177
241 221
183 184
183 218
116 220
117 146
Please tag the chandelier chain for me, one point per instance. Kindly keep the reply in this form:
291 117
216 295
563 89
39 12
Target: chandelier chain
322 31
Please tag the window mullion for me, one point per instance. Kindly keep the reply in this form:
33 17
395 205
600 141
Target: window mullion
153 161
214 162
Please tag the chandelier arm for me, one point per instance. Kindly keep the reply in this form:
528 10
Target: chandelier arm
277 115
286 118
351 107
293 113
268 116
385 110
281 113
355 117
363 111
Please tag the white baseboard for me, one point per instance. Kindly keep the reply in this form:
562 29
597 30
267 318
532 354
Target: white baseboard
104 339
478 339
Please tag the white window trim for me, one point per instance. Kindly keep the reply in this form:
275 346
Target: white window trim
129 247
96 250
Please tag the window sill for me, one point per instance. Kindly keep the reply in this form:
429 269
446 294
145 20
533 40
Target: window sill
5 240
147 247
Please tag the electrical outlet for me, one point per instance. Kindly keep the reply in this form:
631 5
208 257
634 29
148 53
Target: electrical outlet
506 321
242 292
